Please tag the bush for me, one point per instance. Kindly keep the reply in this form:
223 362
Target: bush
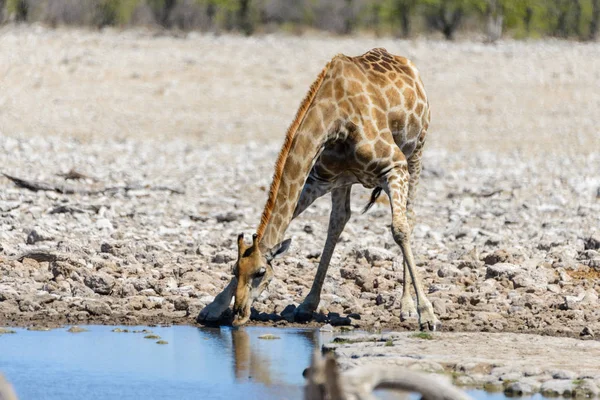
522 18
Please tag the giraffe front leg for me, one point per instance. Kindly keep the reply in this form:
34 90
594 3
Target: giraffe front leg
214 311
340 214
397 188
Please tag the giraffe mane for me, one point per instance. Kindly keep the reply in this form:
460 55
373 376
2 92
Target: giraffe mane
285 149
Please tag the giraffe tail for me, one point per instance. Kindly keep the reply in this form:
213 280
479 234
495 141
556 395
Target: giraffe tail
374 196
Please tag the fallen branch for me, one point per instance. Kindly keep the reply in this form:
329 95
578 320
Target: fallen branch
48 256
64 209
324 381
470 193
43 186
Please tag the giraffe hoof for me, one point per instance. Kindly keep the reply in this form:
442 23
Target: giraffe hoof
407 309
431 326
405 315
303 314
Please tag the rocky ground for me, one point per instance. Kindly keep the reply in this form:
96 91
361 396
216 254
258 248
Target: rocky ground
176 138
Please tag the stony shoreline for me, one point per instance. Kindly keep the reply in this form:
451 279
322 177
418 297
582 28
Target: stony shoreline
502 257
515 364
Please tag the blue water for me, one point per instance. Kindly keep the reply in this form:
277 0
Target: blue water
197 363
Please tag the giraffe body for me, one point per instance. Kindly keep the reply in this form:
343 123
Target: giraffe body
363 122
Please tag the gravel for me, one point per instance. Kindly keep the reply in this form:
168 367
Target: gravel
177 156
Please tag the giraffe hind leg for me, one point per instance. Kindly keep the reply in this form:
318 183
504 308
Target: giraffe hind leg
414 170
396 187
407 305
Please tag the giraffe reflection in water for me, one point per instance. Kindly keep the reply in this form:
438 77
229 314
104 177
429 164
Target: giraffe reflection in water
252 362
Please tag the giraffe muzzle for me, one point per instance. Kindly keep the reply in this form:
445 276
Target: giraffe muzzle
241 315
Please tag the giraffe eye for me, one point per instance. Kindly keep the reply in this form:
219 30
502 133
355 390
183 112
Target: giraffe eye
260 272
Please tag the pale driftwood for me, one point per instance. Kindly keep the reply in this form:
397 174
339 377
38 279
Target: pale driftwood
324 381
6 390
64 189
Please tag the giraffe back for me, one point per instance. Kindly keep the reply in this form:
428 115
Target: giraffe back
382 93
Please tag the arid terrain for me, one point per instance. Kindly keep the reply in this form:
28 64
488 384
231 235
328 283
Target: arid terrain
176 138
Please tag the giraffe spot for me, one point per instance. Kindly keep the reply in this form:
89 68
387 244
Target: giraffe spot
354 87
292 168
376 97
392 75
405 81
370 132
345 109
386 136
364 153
352 128
379 80
382 149
420 92
397 123
393 96
283 187
364 64
277 220
413 121
312 120
355 70
414 128
327 88
372 58
379 117
378 68
386 65
399 157
407 70
360 103
401 60
409 97
338 88
419 109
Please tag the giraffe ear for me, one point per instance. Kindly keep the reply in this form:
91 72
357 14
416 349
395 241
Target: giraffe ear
278 249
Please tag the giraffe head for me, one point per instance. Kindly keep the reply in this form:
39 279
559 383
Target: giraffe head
253 271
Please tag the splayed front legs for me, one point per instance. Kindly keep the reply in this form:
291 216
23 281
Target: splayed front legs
340 214
396 187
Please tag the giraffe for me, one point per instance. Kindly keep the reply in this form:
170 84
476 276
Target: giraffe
363 121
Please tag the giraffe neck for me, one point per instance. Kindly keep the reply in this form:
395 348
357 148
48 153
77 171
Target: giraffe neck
315 122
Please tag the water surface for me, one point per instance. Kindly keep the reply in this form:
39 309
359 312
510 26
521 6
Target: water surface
210 363
197 363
